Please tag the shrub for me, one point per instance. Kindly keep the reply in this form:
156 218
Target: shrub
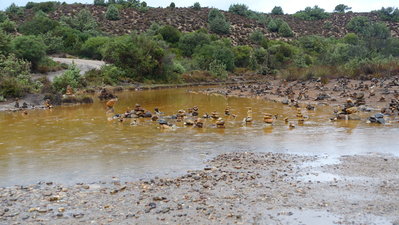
92 47
239 9
83 21
217 22
277 10
189 41
219 25
359 25
242 55
170 34
341 8
42 6
197 6
30 48
13 9
315 13
217 50
107 75
257 37
8 26
15 79
218 69
71 77
53 43
112 13
40 24
139 55
3 16
5 43
285 30
272 26
99 2
172 5
389 14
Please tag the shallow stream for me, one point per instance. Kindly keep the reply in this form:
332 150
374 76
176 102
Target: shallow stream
73 144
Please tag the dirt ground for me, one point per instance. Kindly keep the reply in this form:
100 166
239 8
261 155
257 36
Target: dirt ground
234 188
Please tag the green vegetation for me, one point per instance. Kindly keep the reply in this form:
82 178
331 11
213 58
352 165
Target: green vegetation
164 54
341 8
277 10
312 13
217 22
112 13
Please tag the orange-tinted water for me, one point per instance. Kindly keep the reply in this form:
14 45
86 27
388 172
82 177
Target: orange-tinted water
78 143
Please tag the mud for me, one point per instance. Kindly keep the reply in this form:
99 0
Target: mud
234 188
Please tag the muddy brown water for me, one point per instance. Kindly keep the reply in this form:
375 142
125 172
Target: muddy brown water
78 144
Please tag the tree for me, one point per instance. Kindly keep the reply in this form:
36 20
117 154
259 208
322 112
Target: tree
112 13
359 25
197 6
277 10
239 9
82 21
93 46
5 43
30 48
8 26
389 14
172 5
341 8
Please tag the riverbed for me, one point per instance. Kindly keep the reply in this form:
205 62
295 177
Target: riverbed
72 144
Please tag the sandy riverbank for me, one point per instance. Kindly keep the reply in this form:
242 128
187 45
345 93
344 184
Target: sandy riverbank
235 188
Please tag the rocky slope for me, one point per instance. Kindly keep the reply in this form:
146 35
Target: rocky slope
187 19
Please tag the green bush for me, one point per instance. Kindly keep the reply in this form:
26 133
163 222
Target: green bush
93 46
40 24
72 40
272 26
112 13
70 77
217 50
139 55
257 37
3 16
107 75
172 5
217 22
285 30
42 6
99 2
83 21
170 34
315 13
15 79
189 41
341 8
5 43
389 14
351 38
242 56
218 69
8 26
30 48
54 44
13 9
197 6
277 10
239 9
359 25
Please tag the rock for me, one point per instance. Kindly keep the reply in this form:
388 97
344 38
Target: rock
377 118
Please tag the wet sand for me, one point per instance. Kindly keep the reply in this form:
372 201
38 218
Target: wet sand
234 188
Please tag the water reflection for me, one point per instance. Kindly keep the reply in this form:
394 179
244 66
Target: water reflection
78 143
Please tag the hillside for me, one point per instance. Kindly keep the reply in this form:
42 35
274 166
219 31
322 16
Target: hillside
187 19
